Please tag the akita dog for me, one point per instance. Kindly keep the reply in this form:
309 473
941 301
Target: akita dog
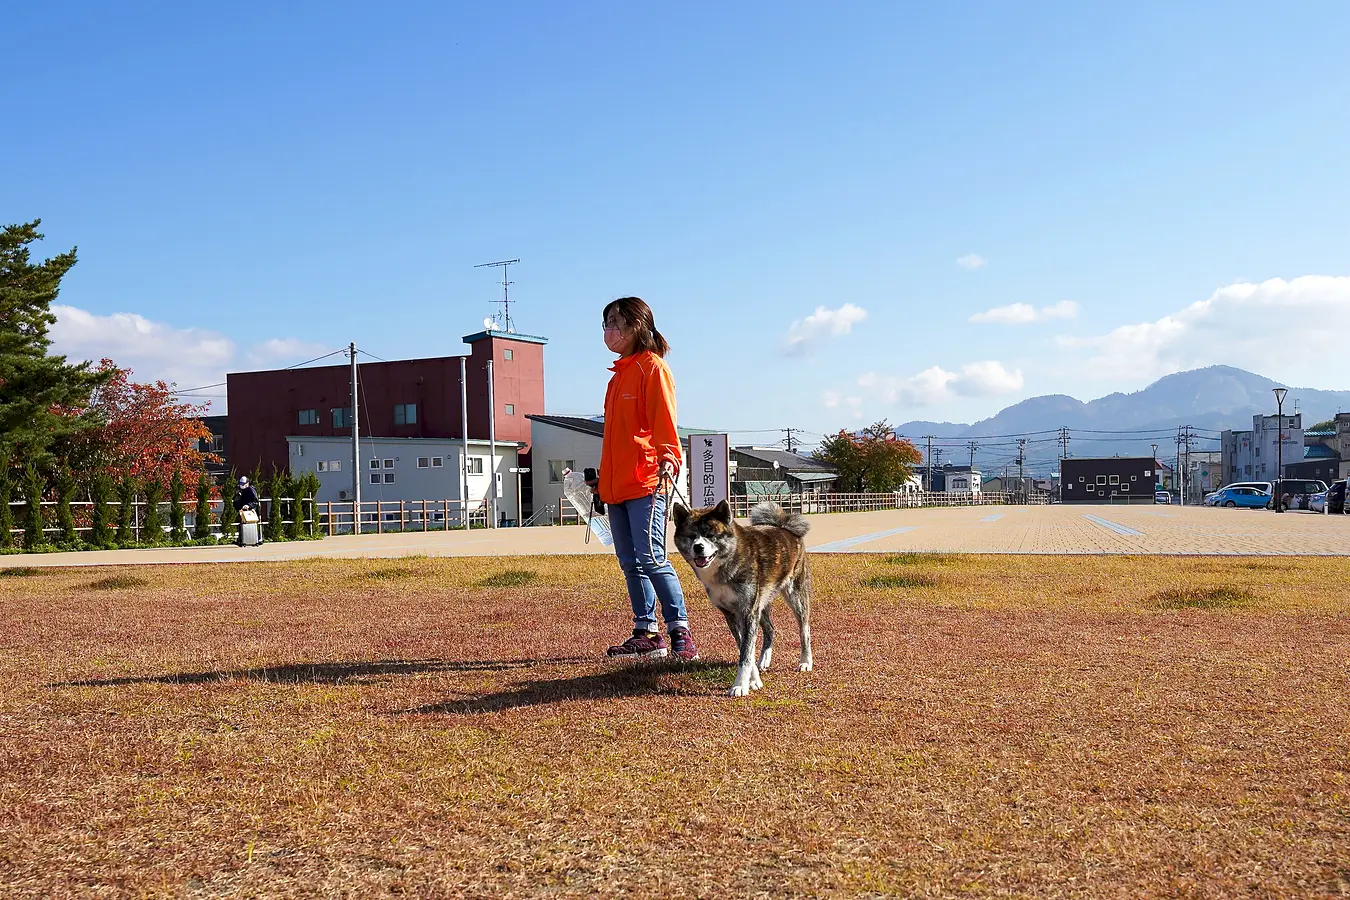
743 569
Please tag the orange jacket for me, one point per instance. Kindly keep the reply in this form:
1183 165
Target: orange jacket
639 428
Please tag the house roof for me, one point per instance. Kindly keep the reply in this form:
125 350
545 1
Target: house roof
596 426
1319 432
1319 451
789 462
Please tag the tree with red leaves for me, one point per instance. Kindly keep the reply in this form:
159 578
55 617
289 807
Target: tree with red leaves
874 459
146 432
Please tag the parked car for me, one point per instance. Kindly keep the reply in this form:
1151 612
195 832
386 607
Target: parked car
1295 493
1333 496
1162 497
1242 496
1208 499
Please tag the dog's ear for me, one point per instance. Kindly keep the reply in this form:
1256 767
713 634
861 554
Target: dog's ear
722 512
680 513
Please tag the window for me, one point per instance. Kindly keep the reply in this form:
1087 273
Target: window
299 449
437 462
423 462
510 409
475 465
342 417
1134 477
388 463
217 443
335 465
507 354
374 477
374 463
555 469
1125 487
1115 479
309 417
1081 479
405 414
1101 479
388 477
321 466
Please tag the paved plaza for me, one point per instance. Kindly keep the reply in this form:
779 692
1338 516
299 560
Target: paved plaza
1070 529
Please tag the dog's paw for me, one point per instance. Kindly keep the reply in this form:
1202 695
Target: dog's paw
755 682
764 659
739 690
804 666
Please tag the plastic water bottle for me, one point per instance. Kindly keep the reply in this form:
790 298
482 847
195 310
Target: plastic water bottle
578 493
599 526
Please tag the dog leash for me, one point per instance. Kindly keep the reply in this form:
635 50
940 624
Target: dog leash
672 489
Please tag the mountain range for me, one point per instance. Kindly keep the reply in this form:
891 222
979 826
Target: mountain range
1210 400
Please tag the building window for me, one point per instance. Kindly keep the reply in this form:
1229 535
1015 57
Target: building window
405 414
1115 479
388 477
423 462
374 463
342 417
437 462
335 465
388 463
309 417
555 469
1101 479
507 354
217 443
374 477
510 409
475 465
321 466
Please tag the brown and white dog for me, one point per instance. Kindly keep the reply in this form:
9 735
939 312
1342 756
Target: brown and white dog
743 568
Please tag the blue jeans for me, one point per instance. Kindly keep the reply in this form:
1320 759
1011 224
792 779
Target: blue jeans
640 544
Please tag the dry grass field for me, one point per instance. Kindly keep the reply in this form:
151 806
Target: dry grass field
980 726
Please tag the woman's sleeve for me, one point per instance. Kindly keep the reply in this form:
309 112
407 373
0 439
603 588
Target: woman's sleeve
661 414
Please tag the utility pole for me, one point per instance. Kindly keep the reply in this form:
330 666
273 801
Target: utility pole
1021 463
789 437
492 450
464 436
1064 442
356 450
928 461
971 445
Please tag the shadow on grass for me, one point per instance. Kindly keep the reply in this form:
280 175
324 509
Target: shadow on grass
328 673
669 678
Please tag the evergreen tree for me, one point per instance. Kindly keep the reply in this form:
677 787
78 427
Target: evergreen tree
32 520
202 529
100 489
65 492
42 398
152 526
6 513
295 489
178 533
276 489
126 511
227 513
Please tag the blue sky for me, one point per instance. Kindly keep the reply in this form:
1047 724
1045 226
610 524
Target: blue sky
816 198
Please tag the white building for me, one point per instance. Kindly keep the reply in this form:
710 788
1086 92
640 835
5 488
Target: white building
573 442
963 482
1252 455
411 469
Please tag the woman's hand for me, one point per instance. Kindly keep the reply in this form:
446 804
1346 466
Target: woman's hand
667 470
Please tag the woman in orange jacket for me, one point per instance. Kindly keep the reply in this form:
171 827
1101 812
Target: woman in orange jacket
639 460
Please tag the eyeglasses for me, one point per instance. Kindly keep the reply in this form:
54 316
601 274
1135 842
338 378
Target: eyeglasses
613 326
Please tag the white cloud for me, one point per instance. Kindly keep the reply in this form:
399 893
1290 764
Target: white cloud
1025 313
837 400
1291 330
937 385
824 322
189 357
971 261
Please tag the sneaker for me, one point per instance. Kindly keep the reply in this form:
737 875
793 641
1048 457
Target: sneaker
682 643
642 645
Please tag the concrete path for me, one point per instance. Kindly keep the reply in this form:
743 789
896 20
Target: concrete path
1067 529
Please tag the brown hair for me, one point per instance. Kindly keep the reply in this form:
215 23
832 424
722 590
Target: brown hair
636 314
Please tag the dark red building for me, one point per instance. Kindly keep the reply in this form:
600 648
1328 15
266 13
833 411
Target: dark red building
406 398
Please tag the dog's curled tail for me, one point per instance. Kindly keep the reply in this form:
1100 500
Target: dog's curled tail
770 513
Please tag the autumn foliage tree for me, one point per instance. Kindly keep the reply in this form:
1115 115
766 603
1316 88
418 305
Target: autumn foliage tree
145 431
874 459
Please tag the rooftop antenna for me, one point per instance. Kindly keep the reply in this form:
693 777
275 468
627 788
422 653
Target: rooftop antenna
505 322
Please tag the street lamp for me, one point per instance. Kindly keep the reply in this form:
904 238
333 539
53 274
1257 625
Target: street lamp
1279 444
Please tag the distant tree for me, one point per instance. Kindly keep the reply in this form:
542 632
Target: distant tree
152 526
33 523
100 491
177 489
201 529
43 400
227 513
872 460
1328 425
6 495
66 486
144 430
276 489
126 510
